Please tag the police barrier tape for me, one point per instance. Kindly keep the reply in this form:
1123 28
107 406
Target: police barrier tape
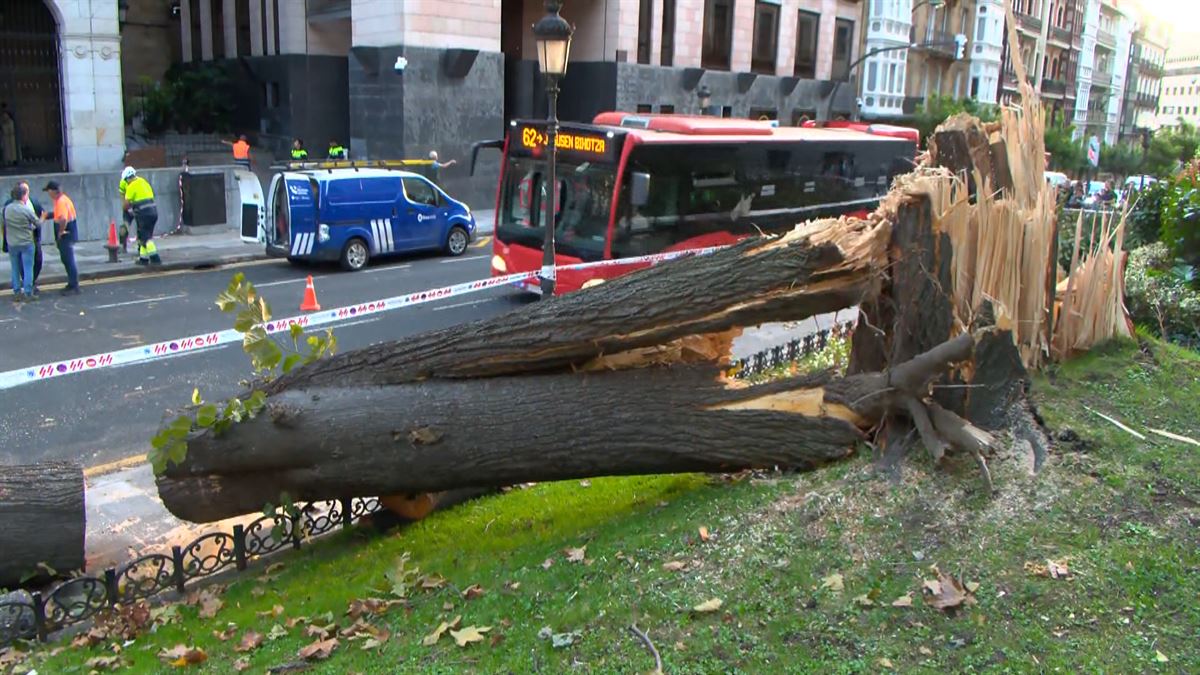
169 348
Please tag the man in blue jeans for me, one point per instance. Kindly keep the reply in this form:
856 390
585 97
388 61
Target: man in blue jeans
37 235
19 224
66 232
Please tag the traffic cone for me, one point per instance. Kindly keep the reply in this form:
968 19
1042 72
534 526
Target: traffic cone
310 297
112 244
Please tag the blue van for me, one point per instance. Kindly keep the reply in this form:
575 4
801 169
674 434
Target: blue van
355 214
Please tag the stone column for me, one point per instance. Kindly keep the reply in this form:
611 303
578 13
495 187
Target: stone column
269 20
185 30
229 18
91 75
206 30
256 28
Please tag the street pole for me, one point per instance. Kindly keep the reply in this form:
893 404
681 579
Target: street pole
547 277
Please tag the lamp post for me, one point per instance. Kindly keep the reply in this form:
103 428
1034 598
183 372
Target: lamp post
553 35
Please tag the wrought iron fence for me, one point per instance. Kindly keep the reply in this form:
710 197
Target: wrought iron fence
794 350
82 598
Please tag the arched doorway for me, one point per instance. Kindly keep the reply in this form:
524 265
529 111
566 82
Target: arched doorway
30 89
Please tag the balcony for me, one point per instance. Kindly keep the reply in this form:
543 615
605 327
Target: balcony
1097 117
938 43
1149 68
1060 37
1106 39
1029 24
1101 79
1054 88
1147 101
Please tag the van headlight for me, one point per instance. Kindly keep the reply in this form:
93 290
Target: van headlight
498 264
322 233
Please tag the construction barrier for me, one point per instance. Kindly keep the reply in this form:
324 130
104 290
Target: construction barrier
170 348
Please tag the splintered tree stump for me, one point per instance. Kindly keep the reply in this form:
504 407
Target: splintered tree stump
42 521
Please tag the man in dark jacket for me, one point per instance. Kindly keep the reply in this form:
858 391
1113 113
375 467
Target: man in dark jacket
37 235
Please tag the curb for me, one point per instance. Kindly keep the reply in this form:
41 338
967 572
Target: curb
126 268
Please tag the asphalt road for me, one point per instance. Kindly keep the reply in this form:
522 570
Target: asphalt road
102 416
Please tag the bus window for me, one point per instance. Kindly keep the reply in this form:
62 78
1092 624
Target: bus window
583 199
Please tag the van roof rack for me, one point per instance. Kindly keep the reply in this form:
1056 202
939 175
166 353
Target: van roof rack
354 164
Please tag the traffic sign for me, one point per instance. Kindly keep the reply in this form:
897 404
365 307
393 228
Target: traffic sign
1093 151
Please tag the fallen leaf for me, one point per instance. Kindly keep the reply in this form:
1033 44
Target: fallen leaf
1160 657
886 663
903 601
104 663
276 632
951 593
833 582
864 600
180 656
470 634
94 636
447 606
674 566
473 591
932 585
432 639
370 606
224 635
319 650
272 613
432 581
546 565
708 606
273 568
357 629
241 665
561 640
925 650
258 592
249 642
585 483
512 585
209 605
704 536
1058 569
971 586
375 641
575 555
164 615
320 632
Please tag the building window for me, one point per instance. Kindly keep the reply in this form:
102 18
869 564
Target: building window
979 30
645 25
872 72
806 45
974 87
667 57
645 108
843 40
766 38
666 109
718 34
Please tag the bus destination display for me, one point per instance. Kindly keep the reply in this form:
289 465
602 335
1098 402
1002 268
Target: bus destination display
592 146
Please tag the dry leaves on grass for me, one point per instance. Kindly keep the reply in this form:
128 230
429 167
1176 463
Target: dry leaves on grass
473 591
547 563
276 632
470 634
431 582
432 639
321 631
181 656
708 606
947 592
103 663
704 535
576 555
272 613
834 582
1054 569
249 642
674 566
241 665
905 600
370 607
319 650
224 635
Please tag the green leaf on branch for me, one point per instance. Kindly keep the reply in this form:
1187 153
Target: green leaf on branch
196 400
255 403
206 416
290 362
244 322
296 331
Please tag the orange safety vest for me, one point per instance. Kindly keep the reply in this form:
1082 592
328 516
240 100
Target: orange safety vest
241 150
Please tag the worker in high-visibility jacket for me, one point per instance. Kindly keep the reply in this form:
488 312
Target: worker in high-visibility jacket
126 216
139 197
299 154
336 150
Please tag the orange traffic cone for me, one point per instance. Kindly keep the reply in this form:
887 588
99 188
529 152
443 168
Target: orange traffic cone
310 297
112 244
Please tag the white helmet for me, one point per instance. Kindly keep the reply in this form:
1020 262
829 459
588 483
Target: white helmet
128 172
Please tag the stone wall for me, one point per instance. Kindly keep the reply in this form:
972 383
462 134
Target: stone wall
97 202
91 77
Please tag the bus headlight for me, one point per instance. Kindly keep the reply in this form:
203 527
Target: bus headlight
592 282
322 233
498 264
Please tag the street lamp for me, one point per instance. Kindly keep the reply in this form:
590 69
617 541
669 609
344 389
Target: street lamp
704 97
553 35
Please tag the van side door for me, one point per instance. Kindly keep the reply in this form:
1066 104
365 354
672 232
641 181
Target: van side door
380 213
424 218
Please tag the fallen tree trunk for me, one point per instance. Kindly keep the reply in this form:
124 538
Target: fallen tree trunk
330 442
42 521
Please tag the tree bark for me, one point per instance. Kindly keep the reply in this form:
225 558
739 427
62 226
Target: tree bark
42 521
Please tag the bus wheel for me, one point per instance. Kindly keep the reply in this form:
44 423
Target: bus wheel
355 255
456 241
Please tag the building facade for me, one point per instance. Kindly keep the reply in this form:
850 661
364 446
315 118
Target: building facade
1103 60
1143 79
60 81
1179 98
1049 32
897 78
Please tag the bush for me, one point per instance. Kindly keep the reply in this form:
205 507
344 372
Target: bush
189 99
1145 221
1158 295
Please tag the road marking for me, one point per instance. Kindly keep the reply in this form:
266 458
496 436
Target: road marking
218 267
359 322
110 467
7 320
388 268
483 241
464 304
464 259
288 281
138 302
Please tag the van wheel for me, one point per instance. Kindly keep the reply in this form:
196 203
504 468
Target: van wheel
456 241
355 255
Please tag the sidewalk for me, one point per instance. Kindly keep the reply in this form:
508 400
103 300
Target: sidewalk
179 252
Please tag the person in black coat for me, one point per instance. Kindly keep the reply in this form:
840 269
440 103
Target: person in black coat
37 236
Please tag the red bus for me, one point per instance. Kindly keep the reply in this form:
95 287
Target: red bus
633 184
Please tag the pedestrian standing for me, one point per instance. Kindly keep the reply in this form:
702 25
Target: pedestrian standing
336 151
438 166
241 151
19 223
37 235
139 199
299 154
8 136
66 233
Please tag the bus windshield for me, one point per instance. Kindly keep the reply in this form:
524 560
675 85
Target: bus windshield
585 191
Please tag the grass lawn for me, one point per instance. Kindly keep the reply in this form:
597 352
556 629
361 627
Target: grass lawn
1120 514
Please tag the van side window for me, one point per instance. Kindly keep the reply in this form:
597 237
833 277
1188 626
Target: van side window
420 192
381 190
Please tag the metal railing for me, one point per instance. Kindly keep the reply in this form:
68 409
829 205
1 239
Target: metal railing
794 350
1054 87
1101 78
1106 39
84 597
